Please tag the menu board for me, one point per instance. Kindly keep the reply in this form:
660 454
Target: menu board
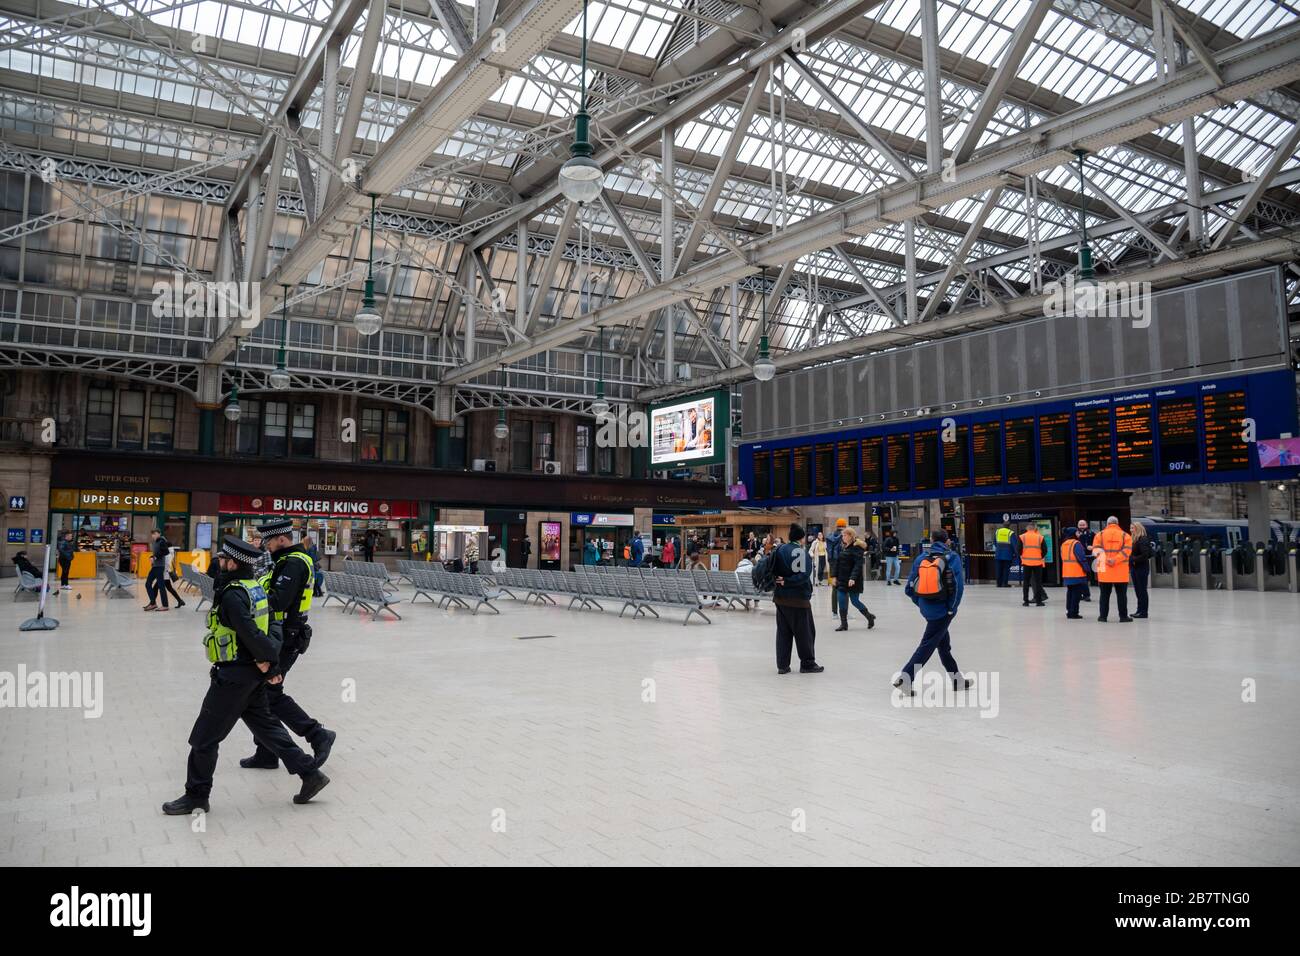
873 466
824 473
1224 449
956 460
846 466
986 449
762 474
1092 443
1018 436
1055 462
1180 447
781 473
1135 443
925 461
898 460
802 487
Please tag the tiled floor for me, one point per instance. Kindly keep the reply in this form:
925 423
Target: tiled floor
1111 744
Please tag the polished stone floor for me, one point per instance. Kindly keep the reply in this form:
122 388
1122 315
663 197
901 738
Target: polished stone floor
607 741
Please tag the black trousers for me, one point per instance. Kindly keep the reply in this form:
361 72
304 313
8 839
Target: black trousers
794 626
1004 572
1121 599
65 566
285 709
236 692
1032 577
1141 574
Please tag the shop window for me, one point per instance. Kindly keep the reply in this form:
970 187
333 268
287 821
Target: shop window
582 450
275 429
248 440
372 433
99 418
162 421
396 427
130 420
304 431
521 446
543 444
605 461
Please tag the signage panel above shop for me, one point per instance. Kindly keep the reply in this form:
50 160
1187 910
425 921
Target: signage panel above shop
319 507
601 520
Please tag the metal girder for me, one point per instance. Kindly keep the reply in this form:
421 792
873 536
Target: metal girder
453 25
1261 63
774 295
469 82
549 269
357 95
850 116
865 282
930 56
1168 251
1176 18
991 99
1281 156
958 261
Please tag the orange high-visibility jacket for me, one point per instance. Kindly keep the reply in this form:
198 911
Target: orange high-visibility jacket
1031 549
1071 569
1116 546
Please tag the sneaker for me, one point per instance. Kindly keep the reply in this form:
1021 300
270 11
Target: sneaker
1139 614
898 685
258 762
312 784
811 668
150 607
66 587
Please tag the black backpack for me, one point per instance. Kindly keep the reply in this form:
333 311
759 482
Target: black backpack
763 575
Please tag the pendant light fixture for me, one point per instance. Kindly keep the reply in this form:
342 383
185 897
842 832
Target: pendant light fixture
581 177
368 319
600 407
764 367
279 377
502 430
1085 253
232 410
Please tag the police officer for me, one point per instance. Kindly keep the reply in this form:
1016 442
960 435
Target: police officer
242 648
289 590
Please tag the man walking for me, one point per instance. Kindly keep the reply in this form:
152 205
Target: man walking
935 587
792 595
1115 545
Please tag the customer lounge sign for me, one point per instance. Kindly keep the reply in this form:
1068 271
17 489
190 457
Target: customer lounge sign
319 507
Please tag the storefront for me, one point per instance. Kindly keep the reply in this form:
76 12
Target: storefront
111 526
610 533
451 543
362 529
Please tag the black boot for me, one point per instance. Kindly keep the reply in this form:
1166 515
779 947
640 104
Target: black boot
184 805
312 784
871 618
842 627
322 744
260 762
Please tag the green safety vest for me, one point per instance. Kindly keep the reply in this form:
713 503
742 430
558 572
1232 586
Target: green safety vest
1004 536
304 602
221 641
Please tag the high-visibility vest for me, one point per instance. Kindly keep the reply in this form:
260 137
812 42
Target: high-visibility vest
1116 545
221 641
1003 536
1031 549
304 601
1071 569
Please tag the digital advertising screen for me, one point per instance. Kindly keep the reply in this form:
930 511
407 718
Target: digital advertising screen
824 472
956 460
898 460
1180 445
691 431
550 535
1055 456
1018 436
846 466
873 466
1278 452
986 449
802 485
925 461
1135 441
1224 416
1092 443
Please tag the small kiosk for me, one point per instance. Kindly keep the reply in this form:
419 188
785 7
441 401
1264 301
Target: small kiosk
723 535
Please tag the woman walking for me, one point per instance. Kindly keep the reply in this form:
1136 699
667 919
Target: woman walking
849 567
817 552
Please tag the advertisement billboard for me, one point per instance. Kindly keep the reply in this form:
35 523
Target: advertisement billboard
690 432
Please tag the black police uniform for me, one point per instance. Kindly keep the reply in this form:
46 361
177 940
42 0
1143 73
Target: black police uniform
290 577
238 692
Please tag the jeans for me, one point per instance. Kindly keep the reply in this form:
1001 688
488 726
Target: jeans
845 598
1141 574
935 638
892 567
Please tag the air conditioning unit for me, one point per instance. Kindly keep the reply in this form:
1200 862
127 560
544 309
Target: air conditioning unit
550 468
484 464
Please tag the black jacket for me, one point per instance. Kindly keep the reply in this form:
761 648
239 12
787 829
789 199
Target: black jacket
234 610
22 564
289 578
848 567
791 563
890 546
159 551
1141 555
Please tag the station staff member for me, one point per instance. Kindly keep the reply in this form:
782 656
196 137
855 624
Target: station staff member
1115 545
1085 538
1031 565
1004 553
289 592
242 650
1074 575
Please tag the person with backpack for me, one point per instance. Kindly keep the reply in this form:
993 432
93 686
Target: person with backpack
849 570
788 572
1074 574
935 587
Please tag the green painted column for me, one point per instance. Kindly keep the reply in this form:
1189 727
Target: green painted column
207 431
441 445
640 462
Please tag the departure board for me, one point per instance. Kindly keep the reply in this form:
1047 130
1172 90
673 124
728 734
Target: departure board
781 473
898 459
824 472
873 466
1055 460
762 474
1092 443
956 460
1180 446
802 486
925 461
1135 443
1224 413
1018 437
986 450
846 466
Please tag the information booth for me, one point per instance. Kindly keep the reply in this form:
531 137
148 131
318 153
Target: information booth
723 535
